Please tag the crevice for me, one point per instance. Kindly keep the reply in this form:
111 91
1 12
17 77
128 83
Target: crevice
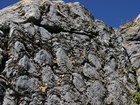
134 39
52 29
91 35
3 62
1 98
3 87
57 29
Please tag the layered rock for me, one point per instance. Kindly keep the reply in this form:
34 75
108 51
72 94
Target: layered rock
56 53
131 41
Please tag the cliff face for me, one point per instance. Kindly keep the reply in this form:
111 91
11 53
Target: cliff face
56 53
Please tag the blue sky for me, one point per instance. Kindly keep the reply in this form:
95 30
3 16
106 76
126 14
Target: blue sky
112 12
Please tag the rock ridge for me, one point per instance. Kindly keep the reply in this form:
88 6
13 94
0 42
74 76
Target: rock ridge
57 53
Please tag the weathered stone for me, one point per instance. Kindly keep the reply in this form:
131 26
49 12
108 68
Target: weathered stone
28 65
53 100
23 83
116 97
9 99
110 67
96 93
10 72
43 57
48 77
63 60
34 84
94 60
30 28
45 35
90 72
78 82
19 47
32 11
138 79
56 53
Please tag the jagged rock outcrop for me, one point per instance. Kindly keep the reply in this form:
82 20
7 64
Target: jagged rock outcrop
56 53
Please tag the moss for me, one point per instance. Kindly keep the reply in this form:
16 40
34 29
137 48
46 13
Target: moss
137 98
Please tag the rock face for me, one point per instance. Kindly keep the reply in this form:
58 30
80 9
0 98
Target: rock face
56 53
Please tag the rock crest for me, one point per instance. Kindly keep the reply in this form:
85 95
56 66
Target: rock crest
57 53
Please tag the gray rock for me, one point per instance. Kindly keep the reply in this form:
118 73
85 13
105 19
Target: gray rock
96 93
78 82
43 57
1 33
63 60
32 10
25 62
28 65
115 96
34 102
18 50
37 99
90 72
23 83
56 53
10 72
53 100
34 84
15 30
45 35
48 77
136 61
111 67
138 80
8 99
94 60
68 97
30 28
19 47
24 103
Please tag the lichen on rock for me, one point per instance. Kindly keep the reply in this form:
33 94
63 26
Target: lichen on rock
57 53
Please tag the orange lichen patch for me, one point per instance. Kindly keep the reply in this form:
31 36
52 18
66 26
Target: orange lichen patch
109 100
138 72
42 89
59 81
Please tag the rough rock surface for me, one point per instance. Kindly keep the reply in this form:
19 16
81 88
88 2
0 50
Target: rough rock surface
56 53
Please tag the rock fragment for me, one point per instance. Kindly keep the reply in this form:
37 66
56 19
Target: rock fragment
63 60
90 72
43 57
48 77
94 60
78 82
